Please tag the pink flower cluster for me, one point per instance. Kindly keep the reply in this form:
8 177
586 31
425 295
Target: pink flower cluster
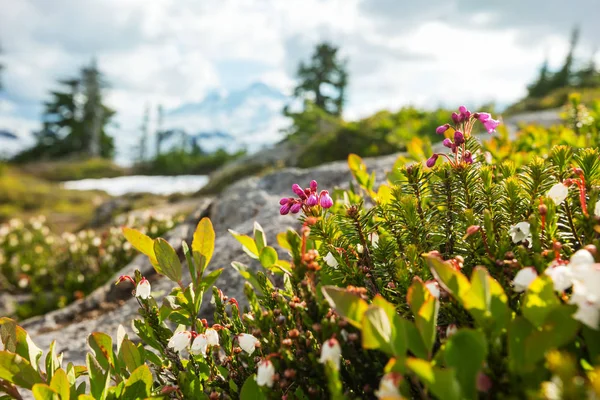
463 121
307 198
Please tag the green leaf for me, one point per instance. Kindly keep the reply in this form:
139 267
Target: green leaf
18 341
130 355
189 258
453 281
260 239
417 295
539 300
466 351
101 345
518 332
248 275
283 242
168 260
268 257
204 241
441 382
487 302
426 322
139 384
99 379
42 391
143 244
377 330
248 244
211 278
16 369
399 328
60 384
251 390
346 304
52 361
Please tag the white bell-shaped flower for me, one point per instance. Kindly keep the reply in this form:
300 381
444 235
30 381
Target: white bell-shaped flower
247 342
558 193
434 288
143 289
265 373
524 278
388 387
520 232
330 260
597 209
331 351
561 276
212 336
199 345
180 341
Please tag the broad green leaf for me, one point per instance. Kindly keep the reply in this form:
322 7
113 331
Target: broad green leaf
143 244
251 390
377 330
441 382
168 260
130 355
17 340
518 332
42 391
189 258
399 328
559 329
465 352
453 281
260 239
204 241
139 384
268 257
346 304
60 384
487 302
539 300
426 322
417 295
283 242
85 397
248 244
99 379
355 163
16 369
211 278
102 346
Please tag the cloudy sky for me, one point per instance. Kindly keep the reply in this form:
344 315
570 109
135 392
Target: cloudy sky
428 53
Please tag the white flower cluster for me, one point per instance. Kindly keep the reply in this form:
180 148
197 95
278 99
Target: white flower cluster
582 274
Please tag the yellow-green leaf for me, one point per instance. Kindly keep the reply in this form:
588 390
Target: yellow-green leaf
204 241
248 244
60 384
42 391
346 304
168 260
142 243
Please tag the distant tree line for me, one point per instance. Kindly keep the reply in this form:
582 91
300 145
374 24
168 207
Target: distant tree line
586 76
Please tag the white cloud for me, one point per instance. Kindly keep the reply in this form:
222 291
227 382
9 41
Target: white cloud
175 51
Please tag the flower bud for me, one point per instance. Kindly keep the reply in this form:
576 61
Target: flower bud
313 186
468 157
473 229
455 118
295 209
312 200
543 209
325 200
285 209
331 351
284 201
451 330
447 143
431 161
298 190
442 128
459 138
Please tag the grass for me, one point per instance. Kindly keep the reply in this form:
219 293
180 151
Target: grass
556 99
74 169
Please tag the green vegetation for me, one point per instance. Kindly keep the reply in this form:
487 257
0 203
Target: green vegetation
473 278
45 270
23 195
67 170
184 162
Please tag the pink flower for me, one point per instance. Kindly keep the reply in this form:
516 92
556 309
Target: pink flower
468 157
313 186
455 118
312 200
284 201
448 143
325 200
459 138
488 122
431 161
464 113
442 128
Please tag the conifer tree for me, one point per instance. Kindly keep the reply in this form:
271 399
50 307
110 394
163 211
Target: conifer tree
142 147
324 79
563 78
541 87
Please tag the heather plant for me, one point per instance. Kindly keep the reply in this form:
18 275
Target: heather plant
460 279
45 271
